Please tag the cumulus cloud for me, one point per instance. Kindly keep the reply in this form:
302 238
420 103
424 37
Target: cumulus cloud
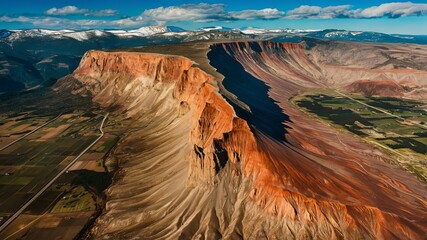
391 10
103 13
188 12
22 19
73 10
264 14
305 11
204 12
67 10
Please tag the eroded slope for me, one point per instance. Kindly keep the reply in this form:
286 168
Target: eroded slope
318 161
190 168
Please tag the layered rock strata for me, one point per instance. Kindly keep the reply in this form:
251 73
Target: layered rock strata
190 168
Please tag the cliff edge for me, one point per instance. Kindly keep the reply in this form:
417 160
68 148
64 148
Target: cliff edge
190 168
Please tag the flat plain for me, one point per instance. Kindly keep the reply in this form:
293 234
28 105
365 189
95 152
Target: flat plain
74 200
395 125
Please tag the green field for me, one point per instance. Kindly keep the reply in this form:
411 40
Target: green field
12 180
107 145
27 165
75 200
401 134
30 163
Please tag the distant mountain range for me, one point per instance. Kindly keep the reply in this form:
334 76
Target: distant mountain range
171 31
359 36
32 57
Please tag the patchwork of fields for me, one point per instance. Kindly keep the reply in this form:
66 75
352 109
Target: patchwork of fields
398 126
35 145
29 164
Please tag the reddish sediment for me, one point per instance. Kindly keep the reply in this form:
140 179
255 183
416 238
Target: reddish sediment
384 88
191 168
328 171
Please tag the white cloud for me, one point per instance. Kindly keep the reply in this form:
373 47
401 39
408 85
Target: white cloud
204 12
391 10
305 11
73 10
22 19
102 13
264 14
67 10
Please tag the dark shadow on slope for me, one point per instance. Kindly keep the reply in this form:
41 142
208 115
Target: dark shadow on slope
9 85
265 116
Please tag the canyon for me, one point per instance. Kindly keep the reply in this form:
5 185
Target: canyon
213 148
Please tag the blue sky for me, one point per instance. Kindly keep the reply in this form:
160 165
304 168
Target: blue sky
381 16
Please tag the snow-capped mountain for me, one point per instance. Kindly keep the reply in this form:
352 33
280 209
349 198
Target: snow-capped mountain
57 34
211 32
261 31
145 31
251 30
361 36
14 35
32 57
215 28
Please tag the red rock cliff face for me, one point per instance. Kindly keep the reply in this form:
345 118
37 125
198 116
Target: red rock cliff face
191 169
322 175
122 80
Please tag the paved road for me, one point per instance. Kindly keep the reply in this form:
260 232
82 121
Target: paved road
375 108
381 110
27 134
17 213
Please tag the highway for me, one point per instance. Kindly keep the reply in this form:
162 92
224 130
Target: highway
17 213
372 107
380 110
29 133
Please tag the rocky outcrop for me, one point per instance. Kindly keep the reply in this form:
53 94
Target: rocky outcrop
135 83
325 176
363 55
345 63
190 168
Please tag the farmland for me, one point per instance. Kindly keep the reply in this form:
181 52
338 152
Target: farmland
30 163
397 126
38 138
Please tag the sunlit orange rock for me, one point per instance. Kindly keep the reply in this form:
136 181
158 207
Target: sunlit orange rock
190 168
